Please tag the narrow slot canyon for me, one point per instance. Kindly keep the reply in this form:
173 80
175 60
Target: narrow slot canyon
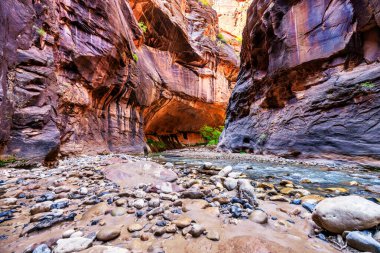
188 126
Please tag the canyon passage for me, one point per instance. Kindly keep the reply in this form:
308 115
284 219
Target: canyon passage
189 126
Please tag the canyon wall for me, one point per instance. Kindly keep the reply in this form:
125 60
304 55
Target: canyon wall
95 76
309 82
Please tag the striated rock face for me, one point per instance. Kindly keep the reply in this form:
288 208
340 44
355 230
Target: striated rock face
309 81
232 15
82 76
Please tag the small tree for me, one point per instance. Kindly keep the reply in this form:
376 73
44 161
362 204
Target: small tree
211 134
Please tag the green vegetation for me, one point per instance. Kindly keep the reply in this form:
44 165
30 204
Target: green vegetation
204 2
368 85
211 134
7 160
135 57
143 26
40 31
221 38
156 144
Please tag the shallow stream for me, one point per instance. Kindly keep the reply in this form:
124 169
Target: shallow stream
321 177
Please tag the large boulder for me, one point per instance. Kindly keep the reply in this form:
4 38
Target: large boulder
346 213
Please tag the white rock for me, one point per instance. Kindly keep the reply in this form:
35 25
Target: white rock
76 234
83 190
230 183
234 174
68 233
224 172
154 202
346 213
140 194
139 204
72 245
166 187
169 165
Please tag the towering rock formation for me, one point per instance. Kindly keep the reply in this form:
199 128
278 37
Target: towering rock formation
309 81
93 76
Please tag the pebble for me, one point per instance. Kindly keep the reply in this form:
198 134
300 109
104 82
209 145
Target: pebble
196 230
235 211
118 211
108 233
213 235
120 202
182 222
76 234
83 190
155 202
230 183
279 198
139 204
171 229
225 171
68 233
144 237
135 227
259 216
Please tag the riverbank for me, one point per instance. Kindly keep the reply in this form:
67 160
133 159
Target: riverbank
167 203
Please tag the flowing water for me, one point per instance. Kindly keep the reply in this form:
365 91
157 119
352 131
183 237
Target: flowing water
321 177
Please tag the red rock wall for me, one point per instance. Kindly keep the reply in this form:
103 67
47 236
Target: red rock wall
309 82
70 83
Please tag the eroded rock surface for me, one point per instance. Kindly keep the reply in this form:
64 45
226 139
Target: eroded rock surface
92 76
309 81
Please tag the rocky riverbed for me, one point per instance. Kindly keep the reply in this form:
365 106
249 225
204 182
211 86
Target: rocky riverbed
188 201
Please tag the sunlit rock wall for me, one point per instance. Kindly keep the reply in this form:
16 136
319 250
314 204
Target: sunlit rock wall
84 77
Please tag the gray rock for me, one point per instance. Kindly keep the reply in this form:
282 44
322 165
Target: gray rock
376 236
224 172
139 204
213 235
259 216
230 183
196 230
43 248
154 202
346 213
362 242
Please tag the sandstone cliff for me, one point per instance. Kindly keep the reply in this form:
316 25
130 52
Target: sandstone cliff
95 76
309 81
